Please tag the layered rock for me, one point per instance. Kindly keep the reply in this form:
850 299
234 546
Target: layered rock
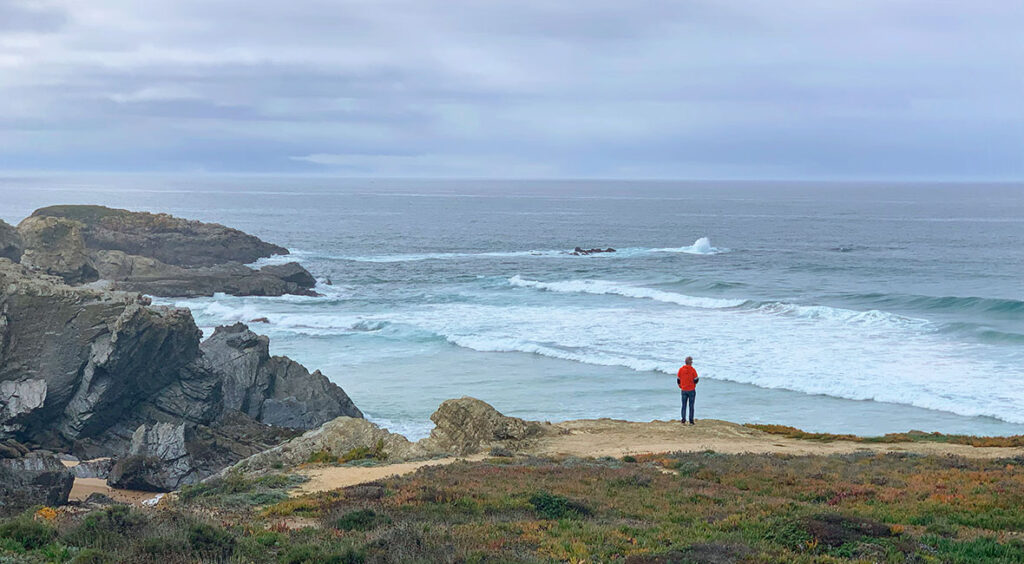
10 242
82 369
467 425
169 239
135 273
55 246
36 479
155 254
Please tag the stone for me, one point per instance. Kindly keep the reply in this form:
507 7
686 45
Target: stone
55 246
11 245
168 239
292 272
580 251
36 479
97 468
468 425
157 461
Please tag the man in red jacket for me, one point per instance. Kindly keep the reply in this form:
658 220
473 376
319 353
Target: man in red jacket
687 380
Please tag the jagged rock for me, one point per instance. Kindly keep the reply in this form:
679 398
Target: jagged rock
98 468
10 242
336 437
135 273
55 246
158 460
11 448
580 251
98 499
81 369
273 390
169 239
468 425
36 479
292 272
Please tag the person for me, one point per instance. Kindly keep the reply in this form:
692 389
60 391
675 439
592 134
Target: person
687 380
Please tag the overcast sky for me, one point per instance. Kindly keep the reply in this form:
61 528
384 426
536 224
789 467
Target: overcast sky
845 89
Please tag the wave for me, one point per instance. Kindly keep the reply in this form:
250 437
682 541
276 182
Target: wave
993 306
701 246
809 312
604 287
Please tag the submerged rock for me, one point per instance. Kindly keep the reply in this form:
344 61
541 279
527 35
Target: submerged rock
580 251
35 479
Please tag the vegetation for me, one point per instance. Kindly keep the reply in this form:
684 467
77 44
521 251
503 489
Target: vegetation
908 437
693 507
357 454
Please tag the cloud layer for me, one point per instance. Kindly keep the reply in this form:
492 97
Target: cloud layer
698 89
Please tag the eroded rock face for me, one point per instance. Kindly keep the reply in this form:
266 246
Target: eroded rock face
36 479
272 390
55 246
10 242
468 425
82 369
166 238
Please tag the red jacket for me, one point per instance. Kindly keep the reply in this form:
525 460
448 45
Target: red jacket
687 375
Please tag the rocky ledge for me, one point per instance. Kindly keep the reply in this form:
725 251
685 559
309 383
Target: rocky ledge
156 254
105 374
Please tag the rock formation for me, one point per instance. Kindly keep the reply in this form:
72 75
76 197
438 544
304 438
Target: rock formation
169 239
10 242
580 251
82 369
35 479
463 426
156 254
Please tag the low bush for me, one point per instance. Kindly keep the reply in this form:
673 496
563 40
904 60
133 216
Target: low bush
552 506
26 533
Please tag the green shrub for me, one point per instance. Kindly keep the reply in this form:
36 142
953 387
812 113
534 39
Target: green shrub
629 458
360 520
316 554
27 533
211 541
551 506
322 457
93 556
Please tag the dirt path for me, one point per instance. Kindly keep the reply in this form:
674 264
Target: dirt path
608 437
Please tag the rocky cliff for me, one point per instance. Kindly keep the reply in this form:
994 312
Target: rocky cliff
156 254
83 370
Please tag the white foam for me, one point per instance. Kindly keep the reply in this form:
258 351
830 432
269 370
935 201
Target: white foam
606 287
701 246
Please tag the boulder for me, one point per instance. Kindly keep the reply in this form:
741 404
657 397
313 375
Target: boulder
157 461
11 246
97 468
292 272
169 239
468 425
135 273
55 246
334 438
36 479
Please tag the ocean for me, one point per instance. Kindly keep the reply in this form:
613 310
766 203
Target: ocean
860 308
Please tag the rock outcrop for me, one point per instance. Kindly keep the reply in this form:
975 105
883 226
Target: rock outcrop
10 242
155 254
82 369
580 251
35 479
467 425
168 239
462 427
55 246
133 273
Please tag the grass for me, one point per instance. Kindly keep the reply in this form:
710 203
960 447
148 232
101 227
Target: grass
363 453
908 437
675 507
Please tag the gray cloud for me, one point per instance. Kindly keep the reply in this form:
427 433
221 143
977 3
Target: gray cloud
724 89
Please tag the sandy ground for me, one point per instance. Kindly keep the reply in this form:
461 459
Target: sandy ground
608 437
84 487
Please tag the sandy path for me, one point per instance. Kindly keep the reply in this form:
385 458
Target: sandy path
608 437
85 486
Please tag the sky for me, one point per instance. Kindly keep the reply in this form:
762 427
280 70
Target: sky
717 89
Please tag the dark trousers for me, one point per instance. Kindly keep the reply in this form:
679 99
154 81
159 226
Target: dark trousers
688 398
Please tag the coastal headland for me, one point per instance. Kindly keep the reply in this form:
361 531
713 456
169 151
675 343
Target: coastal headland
107 402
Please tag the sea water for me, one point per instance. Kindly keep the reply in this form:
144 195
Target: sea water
864 308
